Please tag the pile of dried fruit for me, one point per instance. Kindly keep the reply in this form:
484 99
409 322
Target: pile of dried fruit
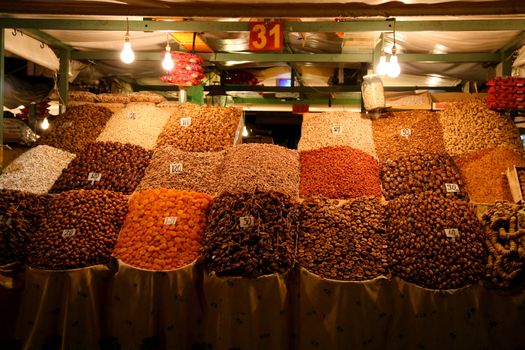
484 173
112 98
201 128
504 225
422 172
79 126
470 126
36 170
336 129
80 229
260 167
106 166
403 133
146 97
339 172
136 124
343 242
435 242
163 229
84 96
250 235
20 215
191 171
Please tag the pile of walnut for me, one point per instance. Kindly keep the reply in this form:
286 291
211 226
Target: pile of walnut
504 225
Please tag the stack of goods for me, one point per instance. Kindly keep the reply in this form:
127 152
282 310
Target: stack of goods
148 97
136 124
20 215
339 172
422 172
336 129
404 133
105 166
190 171
80 229
506 93
36 170
76 128
187 69
469 126
504 225
484 173
260 167
435 242
163 229
346 242
250 235
196 128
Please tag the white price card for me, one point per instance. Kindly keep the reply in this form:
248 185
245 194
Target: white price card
452 233
176 168
246 221
337 129
186 121
68 232
406 132
132 115
452 188
170 220
94 177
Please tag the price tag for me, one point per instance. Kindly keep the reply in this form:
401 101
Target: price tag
266 35
176 168
132 115
246 221
406 132
186 121
337 129
170 220
69 232
94 177
452 188
452 233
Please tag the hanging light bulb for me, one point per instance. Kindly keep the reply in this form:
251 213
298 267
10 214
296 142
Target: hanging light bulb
127 55
382 66
244 131
393 66
45 124
167 62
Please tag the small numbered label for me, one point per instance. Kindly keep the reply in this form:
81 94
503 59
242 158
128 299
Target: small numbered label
176 168
406 132
69 232
246 221
452 188
170 220
337 129
452 233
94 177
132 115
185 121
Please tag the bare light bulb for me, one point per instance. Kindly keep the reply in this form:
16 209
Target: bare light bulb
127 55
244 131
382 66
167 62
45 124
393 66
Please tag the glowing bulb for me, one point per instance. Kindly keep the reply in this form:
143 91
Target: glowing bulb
45 124
244 131
393 67
167 62
21 107
127 55
382 66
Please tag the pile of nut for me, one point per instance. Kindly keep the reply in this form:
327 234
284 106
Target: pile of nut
339 172
504 226
403 133
343 242
112 98
422 172
435 242
84 96
80 229
250 235
20 215
106 166
191 171
201 128
336 129
470 126
146 97
76 128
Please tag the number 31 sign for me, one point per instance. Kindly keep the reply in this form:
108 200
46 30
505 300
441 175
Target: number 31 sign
266 35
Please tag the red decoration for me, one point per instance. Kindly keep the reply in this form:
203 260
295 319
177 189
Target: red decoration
187 70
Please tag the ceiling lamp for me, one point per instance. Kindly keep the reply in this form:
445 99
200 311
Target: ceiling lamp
382 66
394 69
127 55
167 62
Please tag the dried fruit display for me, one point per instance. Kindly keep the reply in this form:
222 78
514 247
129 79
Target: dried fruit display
260 167
339 172
470 126
435 242
201 128
163 229
250 234
343 241
403 133
191 171
422 172
84 96
106 166
504 225
36 170
484 173
80 229
75 129
20 215
336 129
146 97
112 98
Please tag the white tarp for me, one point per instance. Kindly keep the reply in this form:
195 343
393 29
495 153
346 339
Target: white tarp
31 49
